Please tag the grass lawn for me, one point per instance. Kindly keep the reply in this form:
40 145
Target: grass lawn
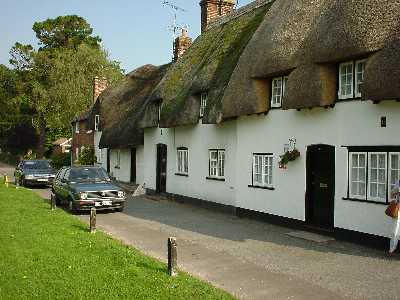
48 254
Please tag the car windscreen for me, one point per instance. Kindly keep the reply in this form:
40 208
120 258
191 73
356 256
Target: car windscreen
88 175
37 164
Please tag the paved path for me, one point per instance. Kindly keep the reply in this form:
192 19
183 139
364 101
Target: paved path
250 259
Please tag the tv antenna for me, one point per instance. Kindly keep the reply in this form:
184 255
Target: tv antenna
174 28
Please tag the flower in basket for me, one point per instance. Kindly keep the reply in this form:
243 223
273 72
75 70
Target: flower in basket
289 156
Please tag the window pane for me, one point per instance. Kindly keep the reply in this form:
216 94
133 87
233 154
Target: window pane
362 189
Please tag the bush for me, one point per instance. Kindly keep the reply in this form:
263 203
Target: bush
59 160
87 157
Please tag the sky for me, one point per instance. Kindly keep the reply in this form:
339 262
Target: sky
134 32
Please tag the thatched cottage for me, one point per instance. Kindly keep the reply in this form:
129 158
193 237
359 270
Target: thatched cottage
287 108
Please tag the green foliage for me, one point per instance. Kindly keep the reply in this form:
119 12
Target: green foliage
59 160
87 157
50 255
55 83
289 156
65 32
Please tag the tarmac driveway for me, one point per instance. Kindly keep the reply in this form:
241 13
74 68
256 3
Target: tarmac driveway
251 259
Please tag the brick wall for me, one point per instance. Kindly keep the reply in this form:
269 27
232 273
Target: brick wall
84 138
212 9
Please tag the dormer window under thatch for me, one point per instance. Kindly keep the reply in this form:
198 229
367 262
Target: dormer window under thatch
278 85
203 103
351 78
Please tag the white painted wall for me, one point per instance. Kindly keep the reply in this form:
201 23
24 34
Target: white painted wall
198 139
352 123
123 173
101 154
140 164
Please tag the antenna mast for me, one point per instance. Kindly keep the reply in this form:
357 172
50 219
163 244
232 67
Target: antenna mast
174 27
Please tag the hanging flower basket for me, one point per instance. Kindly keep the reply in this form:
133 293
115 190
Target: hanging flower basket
287 157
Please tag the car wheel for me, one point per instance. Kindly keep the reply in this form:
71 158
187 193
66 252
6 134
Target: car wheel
71 207
120 209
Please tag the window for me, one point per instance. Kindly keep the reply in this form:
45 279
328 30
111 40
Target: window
377 177
96 122
77 127
278 90
217 163
373 173
394 170
358 175
360 67
262 170
351 78
182 161
203 103
118 160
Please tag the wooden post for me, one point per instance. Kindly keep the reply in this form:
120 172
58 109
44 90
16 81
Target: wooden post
6 180
172 257
53 202
93 220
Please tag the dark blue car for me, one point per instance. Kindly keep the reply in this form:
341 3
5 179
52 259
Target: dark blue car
84 187
34 172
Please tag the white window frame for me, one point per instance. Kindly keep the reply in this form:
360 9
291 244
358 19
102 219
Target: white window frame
217 165
352 195
276 98
203 103
96 122
369 197
351 95
357 91
390 179
266 174
182 161
77 127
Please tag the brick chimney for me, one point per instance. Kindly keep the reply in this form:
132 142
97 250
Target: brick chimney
99 85
181 44
211 9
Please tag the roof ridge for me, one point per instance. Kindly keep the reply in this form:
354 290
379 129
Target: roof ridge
238 12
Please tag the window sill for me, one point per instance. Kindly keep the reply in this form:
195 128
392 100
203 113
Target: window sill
182 174
215 178
338 100
362 200
261 187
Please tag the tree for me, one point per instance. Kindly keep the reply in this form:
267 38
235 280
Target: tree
65 32
57 79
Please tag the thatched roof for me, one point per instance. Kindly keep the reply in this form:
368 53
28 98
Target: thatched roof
206 66
123 105
306 39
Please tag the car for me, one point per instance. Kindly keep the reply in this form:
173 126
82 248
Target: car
82 187
34 172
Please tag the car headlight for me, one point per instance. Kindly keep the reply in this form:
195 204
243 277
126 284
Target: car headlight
29 177
121 194
83 196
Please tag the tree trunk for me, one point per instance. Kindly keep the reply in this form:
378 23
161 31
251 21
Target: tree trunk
42 137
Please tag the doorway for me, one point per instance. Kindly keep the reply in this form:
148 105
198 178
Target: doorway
133 165
161 170
320 195
108 161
